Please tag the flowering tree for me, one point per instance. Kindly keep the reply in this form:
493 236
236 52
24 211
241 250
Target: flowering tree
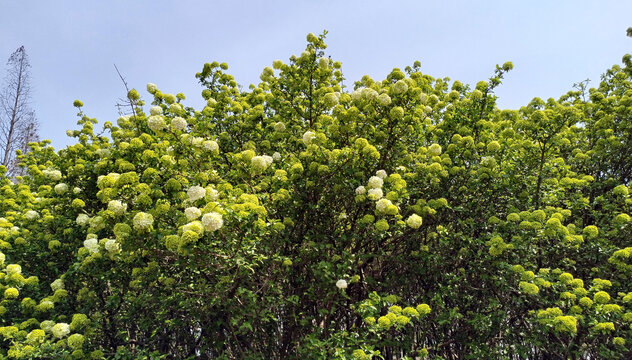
407 218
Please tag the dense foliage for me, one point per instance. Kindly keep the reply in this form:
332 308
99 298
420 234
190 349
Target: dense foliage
409 217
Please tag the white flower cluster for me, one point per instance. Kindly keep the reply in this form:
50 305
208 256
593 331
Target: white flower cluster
156 122
384 99
434 150
178 124
52 174
375 188
341 284
103 152
57 284
192 213
383 205
260 163
211 194
400 87
212 221
92 245
60 330
13 269
155 110
82 220
2 258
279 127
112 246
210 145
143 221
151 88
308 137
360 190
364 94
414 221
276 156
117 207
61 188
31 215
196 193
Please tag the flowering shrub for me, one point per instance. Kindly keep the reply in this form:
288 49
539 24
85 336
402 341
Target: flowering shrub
403 218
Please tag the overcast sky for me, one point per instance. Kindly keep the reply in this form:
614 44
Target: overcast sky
73 45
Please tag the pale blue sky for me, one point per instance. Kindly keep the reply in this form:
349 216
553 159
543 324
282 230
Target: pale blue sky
73 44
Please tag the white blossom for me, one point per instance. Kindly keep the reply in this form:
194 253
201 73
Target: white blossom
92 245
60 330
156 122
212 221
414 221
375 194
210 145
112 246
61 188
57 284
82 219
192 213
178 123
143 221
117 207
360 190
31 215
375 182
155 110
341 284
308 137
196 193
382 205
381 174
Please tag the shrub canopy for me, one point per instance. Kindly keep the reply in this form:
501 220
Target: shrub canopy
409 217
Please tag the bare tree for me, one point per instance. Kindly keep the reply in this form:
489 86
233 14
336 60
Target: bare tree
18 125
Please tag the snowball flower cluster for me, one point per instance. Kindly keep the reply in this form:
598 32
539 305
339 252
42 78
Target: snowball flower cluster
381 174
178 124
52 174
279 127
276 156
375 194
155 110
82 219
383 205
61 188
414 221
13 269
375 182
156 122
60 330
400 87
112 246
57 284
92 245
308 137
434 150
151 88
117 207
192 213
260 163
210 145
212 221
341 284
31 215
196 193
360 190
143 221
384 100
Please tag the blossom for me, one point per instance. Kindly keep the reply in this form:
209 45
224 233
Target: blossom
383 205
13 269
210 145
31 215
82 219
384 100
143 221
60 330
52 174
117 207
196 193
308 137
414 221
151 88
434 150
192 213
375 182
400 87
155 110
61 188
381 174
331 99
212 221
375 194
360 190
11 293
341 284
75 341
178 123
279 127
156 122
112 245
260 163
276 156
57 284
92 245
211 194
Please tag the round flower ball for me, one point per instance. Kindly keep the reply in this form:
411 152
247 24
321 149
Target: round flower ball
212 221
414 221
341 284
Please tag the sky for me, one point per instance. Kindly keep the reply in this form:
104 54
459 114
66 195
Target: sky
73 45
